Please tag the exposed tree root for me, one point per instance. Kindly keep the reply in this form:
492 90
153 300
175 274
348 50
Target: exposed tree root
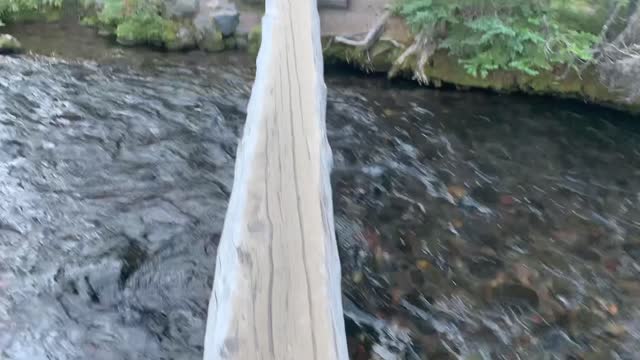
372 36
618 60
423 47
609 50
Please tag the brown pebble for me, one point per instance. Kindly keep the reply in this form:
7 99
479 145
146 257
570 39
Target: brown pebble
396 295
423 264
616 330
357 277
457 223
457 191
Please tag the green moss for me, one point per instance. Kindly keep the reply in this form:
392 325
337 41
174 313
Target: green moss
242 41
443 68
212 42
584 15
27 15
588 86
133 22
170 31
112 14
230 43
12 11
340 53
377 59
90 20
254 39
146 29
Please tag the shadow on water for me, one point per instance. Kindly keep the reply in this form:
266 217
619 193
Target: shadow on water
470 225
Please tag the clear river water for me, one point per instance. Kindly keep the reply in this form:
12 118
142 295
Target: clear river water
470 225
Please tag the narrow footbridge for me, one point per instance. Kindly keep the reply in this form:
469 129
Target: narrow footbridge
276 292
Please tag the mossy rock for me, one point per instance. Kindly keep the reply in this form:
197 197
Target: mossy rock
242 41
9 44
230 43
212 41
180 36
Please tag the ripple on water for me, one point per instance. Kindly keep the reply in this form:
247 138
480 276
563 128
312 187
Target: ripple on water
469 224
114 190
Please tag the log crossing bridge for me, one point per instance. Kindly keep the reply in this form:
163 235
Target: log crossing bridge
276 293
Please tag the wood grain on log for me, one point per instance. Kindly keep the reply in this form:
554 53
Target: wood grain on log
341 4
276 292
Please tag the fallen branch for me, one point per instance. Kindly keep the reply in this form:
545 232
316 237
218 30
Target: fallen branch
372 36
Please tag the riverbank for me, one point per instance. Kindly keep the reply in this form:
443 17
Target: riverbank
469 224
217 25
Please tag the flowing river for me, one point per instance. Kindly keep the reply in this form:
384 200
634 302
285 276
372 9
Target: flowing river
470 225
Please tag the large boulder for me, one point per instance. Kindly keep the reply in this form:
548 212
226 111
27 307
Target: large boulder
216 20
9 44
217 15
227 21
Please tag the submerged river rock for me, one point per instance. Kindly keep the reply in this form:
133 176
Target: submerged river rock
470 225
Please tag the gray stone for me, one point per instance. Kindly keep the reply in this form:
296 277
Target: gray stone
211 41
242 42
227 22
182 8
230 43
217 16
185 39
9 44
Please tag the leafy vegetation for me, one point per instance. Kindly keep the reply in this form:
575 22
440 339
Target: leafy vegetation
486 35
11 10
134 21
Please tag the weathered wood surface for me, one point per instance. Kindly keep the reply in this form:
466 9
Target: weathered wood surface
342 4
276 291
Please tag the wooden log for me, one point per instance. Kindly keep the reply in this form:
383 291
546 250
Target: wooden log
276 293
340 4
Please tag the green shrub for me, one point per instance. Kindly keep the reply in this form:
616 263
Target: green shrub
488 35
112 13
144 28
134 22
11 10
